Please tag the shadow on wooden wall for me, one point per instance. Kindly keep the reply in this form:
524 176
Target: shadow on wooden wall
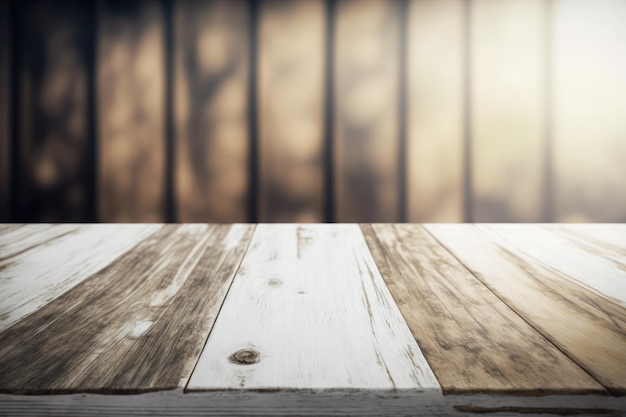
313 110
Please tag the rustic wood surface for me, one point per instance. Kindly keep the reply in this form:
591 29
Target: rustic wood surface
137 325
480 343
286 319
33 278
586 326
338 326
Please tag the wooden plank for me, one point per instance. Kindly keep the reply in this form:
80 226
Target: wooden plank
589 98
5 125
131 85
309 310
137 325
611 236
53 168
291 89
17 240
366 111
471 339
435 111
309 403
586 326
211 119
30 279
507 109
595 264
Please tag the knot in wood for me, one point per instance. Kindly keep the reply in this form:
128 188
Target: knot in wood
245 357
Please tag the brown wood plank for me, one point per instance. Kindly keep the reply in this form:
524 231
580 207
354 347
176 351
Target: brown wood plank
211 110
291 97
471 339
507 109
5 126
366 84
585 325
137 325
131 85
435 111
589 99
53 169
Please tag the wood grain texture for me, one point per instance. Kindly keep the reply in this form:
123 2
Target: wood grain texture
17 240
612 236
31 275
220 403
507 109
366 107
5 125
137 325
211 73
53 169
586 326
598 265
589 95
291 98
310 307
471 339
131 85
435 111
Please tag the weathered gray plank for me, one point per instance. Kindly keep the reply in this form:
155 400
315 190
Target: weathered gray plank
471 339
220 403
137 325
586 326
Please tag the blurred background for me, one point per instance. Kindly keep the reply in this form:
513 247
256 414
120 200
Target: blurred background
313 111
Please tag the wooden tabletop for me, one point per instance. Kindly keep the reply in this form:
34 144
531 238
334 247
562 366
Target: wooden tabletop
345 319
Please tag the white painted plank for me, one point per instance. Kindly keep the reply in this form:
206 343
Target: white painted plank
535 243
18 240
612 233
311 302
31 279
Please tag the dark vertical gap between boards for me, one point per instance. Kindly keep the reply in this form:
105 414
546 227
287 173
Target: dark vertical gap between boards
5 209
548 168
329 171
402 111
16 16
168 29
468 215
91 63
253 147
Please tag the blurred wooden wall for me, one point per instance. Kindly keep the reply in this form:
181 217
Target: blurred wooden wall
313 110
